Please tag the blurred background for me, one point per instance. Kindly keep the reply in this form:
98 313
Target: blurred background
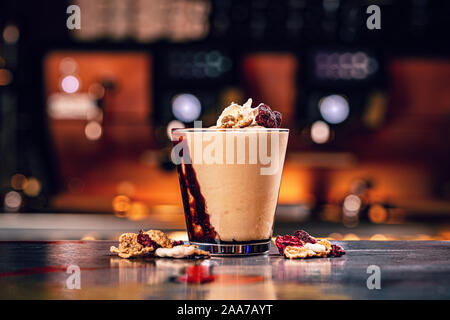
85 114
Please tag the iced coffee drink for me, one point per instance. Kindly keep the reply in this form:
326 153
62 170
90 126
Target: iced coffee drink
230 178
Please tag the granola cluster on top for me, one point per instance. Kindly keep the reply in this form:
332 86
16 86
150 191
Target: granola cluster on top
154 242
302 245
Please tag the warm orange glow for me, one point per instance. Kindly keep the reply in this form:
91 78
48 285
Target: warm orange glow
18 181
335 236
5 77
121 205
445 235
378 237
89 237
351 237
293 186
377 214
96 91
32 187
138 211
68 66
126 188
178 235
423 237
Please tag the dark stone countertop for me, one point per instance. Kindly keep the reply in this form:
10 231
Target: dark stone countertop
408 270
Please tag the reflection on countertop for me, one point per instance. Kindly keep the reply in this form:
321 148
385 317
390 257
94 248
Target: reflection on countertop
38 270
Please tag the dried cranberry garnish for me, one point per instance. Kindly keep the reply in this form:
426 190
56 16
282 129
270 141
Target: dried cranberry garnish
177 243
304 236
268 118
284 241
278 118
336 251
144 239
264 109
265 116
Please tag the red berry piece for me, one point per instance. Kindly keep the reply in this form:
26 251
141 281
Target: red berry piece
336 251
278 118
144 239
265 117
177 243
264 109
304 236
284 241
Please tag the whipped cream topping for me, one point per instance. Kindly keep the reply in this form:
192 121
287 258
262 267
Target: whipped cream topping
237 116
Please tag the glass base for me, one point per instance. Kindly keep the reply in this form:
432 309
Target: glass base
238 249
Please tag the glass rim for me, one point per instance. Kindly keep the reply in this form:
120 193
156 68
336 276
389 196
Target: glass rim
243 130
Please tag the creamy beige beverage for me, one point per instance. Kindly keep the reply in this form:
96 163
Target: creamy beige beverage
230 178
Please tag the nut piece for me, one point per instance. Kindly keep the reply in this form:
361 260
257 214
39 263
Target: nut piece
228 121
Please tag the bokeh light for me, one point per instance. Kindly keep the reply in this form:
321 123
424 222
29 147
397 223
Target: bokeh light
18 181
121 204
89 237
68 66
13 200
186 107
174 124
378 214
335 236
11 34
93 130
334 108
350 208
378 237
32 187
352 203
70 84
320 132
96 91
351 237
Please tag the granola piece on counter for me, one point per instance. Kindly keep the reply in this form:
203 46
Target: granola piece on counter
302 245
142 244
154 242
129 247
309 250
